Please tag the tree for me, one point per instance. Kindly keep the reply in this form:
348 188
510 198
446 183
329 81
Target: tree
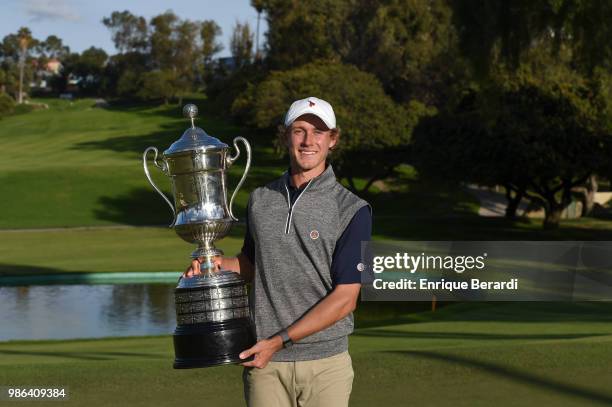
9 53
209 31
159 84
92 61
590 33
169 49
123 74
24 36
241 44
550 36
162 40
408 44
258 4
129 31
174 53
53 47
89 68
499 31
7 105
375 130
539 139
186 57
300 32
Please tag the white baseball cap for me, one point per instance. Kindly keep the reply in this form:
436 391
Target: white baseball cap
311 105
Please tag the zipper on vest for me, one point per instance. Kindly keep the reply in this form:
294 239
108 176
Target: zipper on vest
290 212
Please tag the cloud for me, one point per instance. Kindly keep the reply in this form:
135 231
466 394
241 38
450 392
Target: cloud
41 10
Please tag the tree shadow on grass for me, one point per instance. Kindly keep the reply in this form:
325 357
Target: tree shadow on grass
20 270
263 156
478 336
169 131
143 206
134 145
172 130
371 314
98 356
147 109
138 207
157 108
466 226
513 374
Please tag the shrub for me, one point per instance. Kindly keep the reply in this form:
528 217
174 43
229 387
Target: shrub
7 105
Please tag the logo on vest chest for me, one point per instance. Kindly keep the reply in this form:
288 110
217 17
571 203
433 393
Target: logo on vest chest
314 234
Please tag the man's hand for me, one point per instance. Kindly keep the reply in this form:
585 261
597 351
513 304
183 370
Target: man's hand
194 268
263 351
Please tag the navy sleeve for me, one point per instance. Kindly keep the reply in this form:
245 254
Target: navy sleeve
248 246
347 254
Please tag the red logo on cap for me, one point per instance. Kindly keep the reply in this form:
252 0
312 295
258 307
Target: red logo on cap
311 104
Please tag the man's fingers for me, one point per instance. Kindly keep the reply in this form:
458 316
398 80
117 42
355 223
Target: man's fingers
217 262
195 266
252 363
245 354
257 362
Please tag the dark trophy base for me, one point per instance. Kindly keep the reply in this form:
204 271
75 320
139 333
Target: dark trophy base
213 320
212 343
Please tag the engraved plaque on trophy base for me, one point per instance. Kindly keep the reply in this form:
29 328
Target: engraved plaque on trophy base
214 324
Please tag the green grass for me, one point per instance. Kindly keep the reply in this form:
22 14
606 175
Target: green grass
75 164
463 355
146 249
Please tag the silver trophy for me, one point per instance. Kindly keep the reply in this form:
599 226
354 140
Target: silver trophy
212 309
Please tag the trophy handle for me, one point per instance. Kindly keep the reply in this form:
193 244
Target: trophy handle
162 167
230 161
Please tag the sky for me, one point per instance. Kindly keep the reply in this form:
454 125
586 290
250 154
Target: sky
79 22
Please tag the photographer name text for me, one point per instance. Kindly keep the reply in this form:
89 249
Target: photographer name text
427 284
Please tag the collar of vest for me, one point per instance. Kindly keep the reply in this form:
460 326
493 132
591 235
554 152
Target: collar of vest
325 180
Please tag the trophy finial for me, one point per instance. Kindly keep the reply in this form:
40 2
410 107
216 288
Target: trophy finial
190 111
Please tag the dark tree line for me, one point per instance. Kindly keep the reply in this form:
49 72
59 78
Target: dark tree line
164 58
492 92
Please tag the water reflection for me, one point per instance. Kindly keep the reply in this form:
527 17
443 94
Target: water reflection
86 311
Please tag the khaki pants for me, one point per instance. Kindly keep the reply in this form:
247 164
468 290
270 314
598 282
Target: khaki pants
311 383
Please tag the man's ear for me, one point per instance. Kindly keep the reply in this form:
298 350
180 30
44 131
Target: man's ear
333 139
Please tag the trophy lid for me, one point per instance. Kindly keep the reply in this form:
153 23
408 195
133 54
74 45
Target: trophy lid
194 138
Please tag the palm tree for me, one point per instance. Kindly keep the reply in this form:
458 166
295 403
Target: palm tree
25 38
259 7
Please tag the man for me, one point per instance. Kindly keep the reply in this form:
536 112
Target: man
302 253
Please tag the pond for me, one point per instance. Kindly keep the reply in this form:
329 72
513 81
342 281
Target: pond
86 311
72 311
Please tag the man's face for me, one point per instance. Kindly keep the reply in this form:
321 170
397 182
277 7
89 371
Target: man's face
308 142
